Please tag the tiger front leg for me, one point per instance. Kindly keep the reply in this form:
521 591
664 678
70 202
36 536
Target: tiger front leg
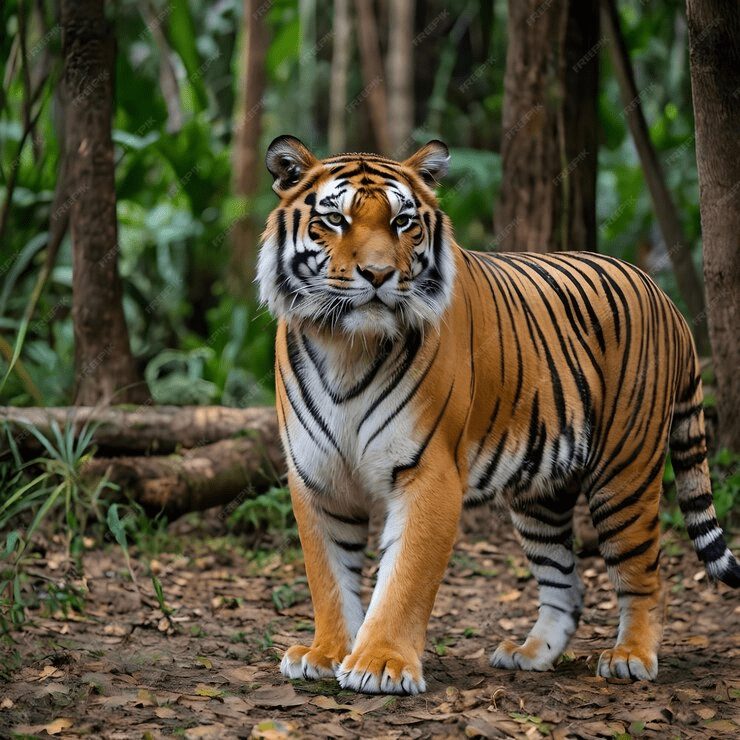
333 548
420 528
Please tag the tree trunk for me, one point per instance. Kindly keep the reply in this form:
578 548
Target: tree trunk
146 429
549 143
105 369
714 48
247 156
373 93
212 475
400 66
679 251
339 71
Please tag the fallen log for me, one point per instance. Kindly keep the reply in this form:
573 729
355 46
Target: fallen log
141 429
231 470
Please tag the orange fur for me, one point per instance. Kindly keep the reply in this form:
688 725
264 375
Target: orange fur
539 376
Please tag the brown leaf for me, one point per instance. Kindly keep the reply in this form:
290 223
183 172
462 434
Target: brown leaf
58 725
705 712
216 731
724 725
278 696
165 712
241 674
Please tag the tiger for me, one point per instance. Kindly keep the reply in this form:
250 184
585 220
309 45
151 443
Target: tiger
415 378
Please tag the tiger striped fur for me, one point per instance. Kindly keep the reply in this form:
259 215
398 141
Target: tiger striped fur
417 378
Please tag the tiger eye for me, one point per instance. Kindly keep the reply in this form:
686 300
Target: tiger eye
401 221
334 218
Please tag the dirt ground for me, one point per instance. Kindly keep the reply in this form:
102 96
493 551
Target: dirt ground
123 669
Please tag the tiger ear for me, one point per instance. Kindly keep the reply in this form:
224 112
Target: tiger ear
288 159
431 162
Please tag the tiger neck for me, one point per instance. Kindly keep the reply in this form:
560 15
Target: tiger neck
346 363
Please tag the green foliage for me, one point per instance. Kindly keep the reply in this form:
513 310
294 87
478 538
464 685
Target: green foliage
270 511
48 489
176 207
724 470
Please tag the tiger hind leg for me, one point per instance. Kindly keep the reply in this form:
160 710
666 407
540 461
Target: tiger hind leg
545 529
629 541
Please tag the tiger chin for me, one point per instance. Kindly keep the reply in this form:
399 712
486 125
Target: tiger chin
416 378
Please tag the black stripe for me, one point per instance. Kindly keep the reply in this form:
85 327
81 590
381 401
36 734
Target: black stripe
609 533
697 504
715 550
553 584
702 528
681 465
410 349
350 546
417 457
544 560
405 401
354 520
295 365
361 385
680 416
684 445
636 551
547 539
306 479
297 412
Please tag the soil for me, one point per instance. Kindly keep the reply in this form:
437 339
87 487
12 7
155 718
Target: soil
122 668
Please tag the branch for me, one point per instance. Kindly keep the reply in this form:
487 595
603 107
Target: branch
145 428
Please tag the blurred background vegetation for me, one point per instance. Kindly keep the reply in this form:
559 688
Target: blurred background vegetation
174 151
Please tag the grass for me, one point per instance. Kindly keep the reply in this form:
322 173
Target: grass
724 470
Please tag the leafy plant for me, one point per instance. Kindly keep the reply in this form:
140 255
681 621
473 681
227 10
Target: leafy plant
270 511
58 492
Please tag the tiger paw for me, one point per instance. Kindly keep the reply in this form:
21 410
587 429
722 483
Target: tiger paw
624 661
382 671
534 655
300 661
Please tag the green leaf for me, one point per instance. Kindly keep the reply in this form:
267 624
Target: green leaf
182 33
116 526
10 542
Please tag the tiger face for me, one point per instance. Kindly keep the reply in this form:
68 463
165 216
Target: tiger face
358 244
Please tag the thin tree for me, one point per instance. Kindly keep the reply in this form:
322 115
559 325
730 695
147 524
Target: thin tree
549 139
679 250
342 44
373 92
714 58
400 67
105 369
246 155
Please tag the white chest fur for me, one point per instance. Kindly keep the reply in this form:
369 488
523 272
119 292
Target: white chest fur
349 419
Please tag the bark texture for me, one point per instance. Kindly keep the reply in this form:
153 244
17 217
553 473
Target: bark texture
212 475
105 369
247 156
373 93
400 66
714 48
549 140
339 71
145 429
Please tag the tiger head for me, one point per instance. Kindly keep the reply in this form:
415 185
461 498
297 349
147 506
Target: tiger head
358 244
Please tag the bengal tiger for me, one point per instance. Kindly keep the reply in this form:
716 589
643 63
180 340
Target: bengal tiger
416 378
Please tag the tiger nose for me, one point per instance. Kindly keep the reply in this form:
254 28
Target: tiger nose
376 274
